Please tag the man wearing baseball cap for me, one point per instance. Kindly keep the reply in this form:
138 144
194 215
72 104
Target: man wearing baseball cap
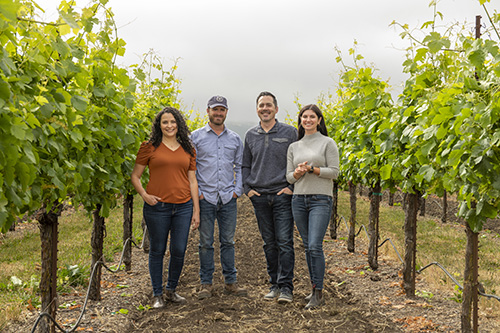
219 153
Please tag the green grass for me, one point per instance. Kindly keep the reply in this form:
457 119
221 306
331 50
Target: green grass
20 255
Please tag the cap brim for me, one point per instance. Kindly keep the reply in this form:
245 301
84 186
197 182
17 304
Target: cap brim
217 104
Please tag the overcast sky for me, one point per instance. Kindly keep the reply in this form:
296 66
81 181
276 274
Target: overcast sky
239 48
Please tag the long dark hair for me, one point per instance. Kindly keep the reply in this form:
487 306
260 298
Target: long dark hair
321 126
182 130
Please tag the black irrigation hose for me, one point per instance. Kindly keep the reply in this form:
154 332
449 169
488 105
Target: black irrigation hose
45 314
394 247
420 270
362 227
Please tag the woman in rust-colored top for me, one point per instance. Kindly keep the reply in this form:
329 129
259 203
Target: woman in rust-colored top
171 202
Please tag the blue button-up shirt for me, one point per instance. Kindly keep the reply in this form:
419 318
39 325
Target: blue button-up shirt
218 164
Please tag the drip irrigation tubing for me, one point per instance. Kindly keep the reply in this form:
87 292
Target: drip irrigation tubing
393 246
99 262
455 281
423 268
380 245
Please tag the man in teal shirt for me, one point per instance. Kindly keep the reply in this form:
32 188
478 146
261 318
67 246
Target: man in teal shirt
219 153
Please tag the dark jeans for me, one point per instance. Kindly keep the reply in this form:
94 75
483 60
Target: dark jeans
226 219
312 216
162 219
275 221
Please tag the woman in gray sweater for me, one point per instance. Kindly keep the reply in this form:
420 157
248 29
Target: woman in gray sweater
312 165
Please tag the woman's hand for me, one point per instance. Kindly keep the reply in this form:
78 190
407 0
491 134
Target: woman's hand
195 220
150 199
301 169
193 185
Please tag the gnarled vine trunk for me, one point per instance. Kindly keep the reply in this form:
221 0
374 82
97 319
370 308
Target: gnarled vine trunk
391 198
352 218
444 217
409 273
97 241
128 209
373 225
422 206
48 224
334 218
470 292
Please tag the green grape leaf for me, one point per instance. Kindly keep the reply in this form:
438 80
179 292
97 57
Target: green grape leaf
9 9
80 103
4 90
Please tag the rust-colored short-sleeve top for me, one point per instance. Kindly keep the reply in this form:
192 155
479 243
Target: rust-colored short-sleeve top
168 172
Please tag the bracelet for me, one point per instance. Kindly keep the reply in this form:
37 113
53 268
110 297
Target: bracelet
311 170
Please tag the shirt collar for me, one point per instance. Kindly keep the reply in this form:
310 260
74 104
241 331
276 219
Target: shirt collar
209 129
260 130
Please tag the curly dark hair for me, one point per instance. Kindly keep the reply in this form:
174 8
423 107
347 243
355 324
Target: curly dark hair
182 130
321 126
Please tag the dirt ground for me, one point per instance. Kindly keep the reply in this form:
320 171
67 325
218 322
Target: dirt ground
356 299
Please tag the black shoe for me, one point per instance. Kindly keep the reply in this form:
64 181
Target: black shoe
285 296
273 293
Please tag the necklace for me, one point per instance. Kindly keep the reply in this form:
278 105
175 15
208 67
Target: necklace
171 144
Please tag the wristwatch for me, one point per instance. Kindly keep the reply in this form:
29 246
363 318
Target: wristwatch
311 170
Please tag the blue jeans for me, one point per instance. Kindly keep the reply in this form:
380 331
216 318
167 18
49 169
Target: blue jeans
275 221
226 219
162 219
312 216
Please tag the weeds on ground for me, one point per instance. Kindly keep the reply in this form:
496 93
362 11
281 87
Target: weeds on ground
20 258
436 242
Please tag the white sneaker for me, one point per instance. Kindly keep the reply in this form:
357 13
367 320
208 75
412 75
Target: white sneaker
158 302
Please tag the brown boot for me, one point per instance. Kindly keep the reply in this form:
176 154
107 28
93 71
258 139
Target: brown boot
172 296
233 289
316 300
308 297
205 291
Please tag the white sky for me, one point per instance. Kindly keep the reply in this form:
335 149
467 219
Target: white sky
240 48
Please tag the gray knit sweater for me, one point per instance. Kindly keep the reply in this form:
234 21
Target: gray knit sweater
320 151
